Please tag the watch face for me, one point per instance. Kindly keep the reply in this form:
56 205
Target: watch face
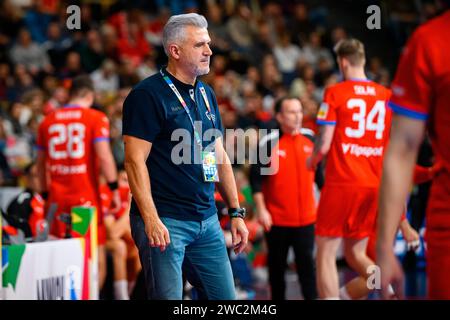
237 212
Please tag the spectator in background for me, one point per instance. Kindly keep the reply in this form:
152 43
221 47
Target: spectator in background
314 51
153 31
254 115
56 45
30 54
91 52
241 29
127 73
110 42
17 118
251 82
286 55
18 148
23 81
6 82
147 68
34 101
49 84
11 22
304 73
324 70
133 46
263 43
5 170
57 99
106 79
337 34
178 7
310 109
218 29
402 19
72 67
273 14
270 75
88 21
300 25
37 21
114 113
376 70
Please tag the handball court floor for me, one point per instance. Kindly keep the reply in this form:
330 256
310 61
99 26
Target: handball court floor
415 284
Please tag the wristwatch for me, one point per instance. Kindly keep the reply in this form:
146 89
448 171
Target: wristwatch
236 212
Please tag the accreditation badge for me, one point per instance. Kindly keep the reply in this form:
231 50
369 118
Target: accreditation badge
209 166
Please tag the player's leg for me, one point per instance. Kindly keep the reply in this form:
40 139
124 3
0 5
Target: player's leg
327 274
133 268
359 227
118 250
354 251
133 263
101 266
356 257
332 213
357 288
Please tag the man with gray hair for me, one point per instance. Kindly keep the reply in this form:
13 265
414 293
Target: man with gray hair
173 215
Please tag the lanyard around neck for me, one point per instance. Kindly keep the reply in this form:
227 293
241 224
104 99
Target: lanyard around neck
183 103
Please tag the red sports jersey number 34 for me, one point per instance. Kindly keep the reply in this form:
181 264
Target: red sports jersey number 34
357 109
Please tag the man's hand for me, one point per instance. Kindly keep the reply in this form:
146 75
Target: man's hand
239 234
391 274
410 235
116 203
157 233
310 165
436 168
264 218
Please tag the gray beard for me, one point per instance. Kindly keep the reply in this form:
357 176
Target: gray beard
200 71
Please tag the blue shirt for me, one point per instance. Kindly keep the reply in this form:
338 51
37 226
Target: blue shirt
152 112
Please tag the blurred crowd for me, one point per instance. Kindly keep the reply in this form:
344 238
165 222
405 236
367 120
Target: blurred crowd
262 50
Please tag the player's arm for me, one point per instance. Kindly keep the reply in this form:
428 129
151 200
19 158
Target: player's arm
322 145
108 170
106 159
136 154
399 162
228 191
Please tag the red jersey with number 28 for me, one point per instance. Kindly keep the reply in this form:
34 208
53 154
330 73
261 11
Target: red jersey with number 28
67 136
357 109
